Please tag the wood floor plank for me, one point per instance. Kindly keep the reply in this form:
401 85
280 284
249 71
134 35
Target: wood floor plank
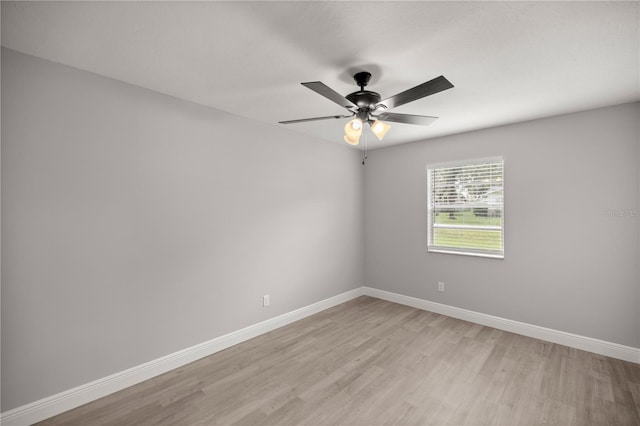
373 362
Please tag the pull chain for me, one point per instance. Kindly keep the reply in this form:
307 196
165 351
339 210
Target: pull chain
364 151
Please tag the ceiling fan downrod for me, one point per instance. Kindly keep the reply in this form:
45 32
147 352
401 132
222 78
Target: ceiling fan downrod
362 79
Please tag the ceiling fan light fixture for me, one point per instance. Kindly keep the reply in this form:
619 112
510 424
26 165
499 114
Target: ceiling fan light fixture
352 131
380 128
353 126
352 139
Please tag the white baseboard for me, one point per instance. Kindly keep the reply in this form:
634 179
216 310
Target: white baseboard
72 398
613 350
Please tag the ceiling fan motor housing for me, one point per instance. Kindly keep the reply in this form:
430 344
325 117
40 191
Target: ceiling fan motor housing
364 99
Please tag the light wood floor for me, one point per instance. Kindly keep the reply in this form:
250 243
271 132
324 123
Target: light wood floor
372 362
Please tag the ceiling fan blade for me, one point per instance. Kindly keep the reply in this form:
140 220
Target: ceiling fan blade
423 120
431 87
302 120
326 91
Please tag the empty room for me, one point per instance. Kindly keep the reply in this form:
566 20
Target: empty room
320 213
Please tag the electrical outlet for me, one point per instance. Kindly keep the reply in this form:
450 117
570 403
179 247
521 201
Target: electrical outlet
440 286
265 300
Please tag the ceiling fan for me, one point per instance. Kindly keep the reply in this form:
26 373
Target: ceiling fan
367 107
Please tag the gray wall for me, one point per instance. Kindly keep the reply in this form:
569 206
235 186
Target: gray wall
568 265
135 225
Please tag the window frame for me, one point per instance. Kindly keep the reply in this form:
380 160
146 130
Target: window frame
432 248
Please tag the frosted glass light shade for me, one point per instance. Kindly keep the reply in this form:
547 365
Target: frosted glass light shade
352 139
380 128
353 127
353 130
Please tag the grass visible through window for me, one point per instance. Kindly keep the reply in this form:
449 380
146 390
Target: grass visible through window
467 217
467 238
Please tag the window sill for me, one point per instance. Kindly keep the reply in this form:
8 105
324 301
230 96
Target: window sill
465 253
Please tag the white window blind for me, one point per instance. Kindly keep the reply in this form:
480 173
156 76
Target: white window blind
466 208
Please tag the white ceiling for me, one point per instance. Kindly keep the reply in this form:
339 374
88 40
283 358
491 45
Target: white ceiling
509 61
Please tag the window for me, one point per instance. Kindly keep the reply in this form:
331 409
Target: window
466 208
